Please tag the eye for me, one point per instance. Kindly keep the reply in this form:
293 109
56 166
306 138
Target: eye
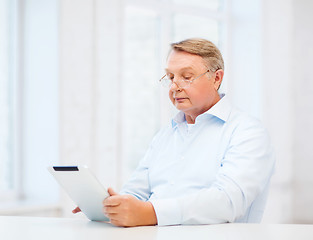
170 76
187 78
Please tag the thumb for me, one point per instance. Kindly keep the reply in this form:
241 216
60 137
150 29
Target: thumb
112 192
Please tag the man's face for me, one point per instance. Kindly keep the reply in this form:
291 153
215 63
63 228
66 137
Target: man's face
202 93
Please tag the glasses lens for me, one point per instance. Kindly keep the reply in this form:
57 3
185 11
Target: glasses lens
166 82
183 84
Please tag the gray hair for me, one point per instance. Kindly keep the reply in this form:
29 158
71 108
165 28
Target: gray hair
204 48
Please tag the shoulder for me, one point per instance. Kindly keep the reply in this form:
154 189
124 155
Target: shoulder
242 120
243 126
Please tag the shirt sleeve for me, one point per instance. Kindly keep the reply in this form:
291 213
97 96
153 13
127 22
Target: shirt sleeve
245 171
138 184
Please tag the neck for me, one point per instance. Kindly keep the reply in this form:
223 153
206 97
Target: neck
191 117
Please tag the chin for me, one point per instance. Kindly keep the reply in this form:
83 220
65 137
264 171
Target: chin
180 107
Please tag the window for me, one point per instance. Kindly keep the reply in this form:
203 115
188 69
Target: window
28 99
7 100
139 89
149 26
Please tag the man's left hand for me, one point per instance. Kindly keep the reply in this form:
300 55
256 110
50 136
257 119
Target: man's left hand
128 211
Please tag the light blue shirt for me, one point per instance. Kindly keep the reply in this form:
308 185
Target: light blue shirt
214 171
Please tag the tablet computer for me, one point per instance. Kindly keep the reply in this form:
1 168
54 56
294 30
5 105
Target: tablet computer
83 188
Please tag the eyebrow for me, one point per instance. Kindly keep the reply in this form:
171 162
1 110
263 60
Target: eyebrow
183 69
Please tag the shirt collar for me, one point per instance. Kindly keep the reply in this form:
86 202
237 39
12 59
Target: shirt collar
220 110
179 118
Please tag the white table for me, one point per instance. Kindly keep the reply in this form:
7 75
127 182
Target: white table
20 228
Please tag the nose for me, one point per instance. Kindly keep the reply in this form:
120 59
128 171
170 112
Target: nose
174 87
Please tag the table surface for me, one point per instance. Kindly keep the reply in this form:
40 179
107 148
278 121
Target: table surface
19 228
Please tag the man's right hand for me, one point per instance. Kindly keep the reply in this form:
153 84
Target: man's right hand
76 210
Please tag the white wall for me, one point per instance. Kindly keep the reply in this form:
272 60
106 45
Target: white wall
288 108
278 111
302 95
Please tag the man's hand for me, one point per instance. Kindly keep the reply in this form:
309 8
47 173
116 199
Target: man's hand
76 210
128 211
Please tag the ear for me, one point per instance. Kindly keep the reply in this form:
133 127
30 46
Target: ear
219 74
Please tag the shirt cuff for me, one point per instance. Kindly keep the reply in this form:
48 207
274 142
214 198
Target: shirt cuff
168 211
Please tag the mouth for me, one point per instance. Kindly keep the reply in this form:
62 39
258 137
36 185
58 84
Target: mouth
180 99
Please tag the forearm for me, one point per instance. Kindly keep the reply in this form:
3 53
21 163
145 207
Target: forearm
226 202
208 206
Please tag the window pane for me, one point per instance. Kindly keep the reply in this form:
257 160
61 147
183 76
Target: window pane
139 87
5 100
211 4
186 26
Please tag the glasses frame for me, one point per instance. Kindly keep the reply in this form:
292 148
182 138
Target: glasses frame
184 80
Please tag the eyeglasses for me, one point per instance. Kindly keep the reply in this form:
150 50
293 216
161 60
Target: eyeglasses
184 83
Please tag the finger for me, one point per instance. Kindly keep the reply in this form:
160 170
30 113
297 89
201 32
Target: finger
111 215
111 210
112 201
76 210
116 222
112 192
